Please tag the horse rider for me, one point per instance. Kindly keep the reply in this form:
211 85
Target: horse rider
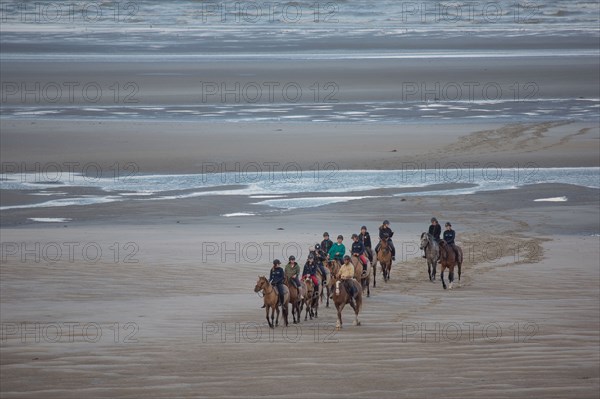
365 238
326 244
449 236
386 233
276 278
337 250
358 250
310 271
347 276
292 273
319 257
435 230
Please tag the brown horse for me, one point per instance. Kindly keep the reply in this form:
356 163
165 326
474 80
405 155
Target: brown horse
341 297
448 259
311 299
333 266
358 274
384 257
295 298
271 299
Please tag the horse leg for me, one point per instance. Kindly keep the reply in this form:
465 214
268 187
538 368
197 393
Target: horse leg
338 324
277 318
328 293
434 269
451 276
356 309
285 314
374 273
459 265
429 269
442 276
368 290
267 314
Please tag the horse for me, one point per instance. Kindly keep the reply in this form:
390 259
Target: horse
448 260
311 300
322 287
358 274
295 299
384 257
341 298
432 254
333 266
271 299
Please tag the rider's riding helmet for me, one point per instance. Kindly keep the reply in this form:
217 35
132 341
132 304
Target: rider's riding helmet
291 258
448 224
276 262
433 220
311 257
386 222
340 237
363 228
354 236
326 234
317 247
347 257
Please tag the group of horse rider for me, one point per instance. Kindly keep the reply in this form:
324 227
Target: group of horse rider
449 235
329 250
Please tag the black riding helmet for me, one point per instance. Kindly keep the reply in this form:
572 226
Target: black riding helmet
291 258
354 236
340 237
276 262
317 246
311 257
347 257
363 227
386 222
433 220
326 234
448 224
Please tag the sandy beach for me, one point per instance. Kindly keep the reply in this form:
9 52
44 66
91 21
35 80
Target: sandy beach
157 158
166 308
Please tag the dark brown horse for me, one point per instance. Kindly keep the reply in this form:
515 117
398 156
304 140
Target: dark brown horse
384 257
271 299
449 259
341 298
311 299
295 298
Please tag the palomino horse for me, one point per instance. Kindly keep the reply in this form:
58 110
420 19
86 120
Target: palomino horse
295 298
432 253
311 299
271 299
384 257
358 274
449 260
341 297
